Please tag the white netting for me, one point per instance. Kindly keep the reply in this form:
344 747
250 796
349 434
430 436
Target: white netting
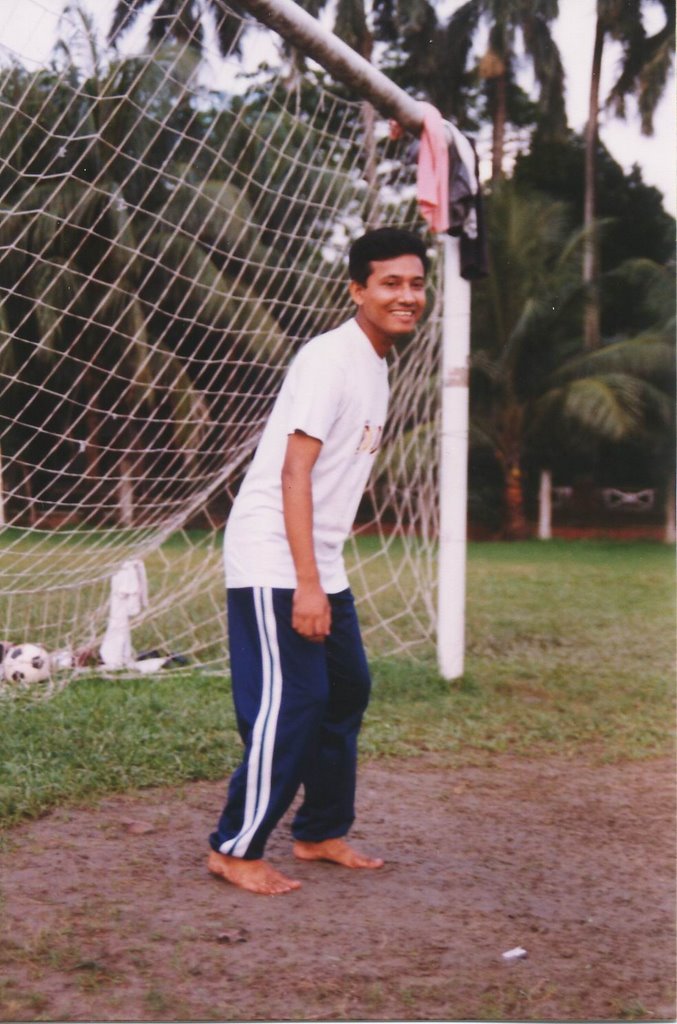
165 247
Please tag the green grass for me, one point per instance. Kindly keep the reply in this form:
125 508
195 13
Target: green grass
570 651
570 646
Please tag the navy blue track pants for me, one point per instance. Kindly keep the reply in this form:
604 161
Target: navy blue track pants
299 708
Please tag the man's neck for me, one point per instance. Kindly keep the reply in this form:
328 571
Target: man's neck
381 344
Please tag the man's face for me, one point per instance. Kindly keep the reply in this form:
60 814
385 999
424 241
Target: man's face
392 301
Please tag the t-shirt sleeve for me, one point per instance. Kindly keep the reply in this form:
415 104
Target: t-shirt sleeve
316 388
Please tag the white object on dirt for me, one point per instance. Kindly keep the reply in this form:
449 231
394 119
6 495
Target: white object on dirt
518 953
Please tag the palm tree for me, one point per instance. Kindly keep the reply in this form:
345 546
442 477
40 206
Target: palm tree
644 70
180 21
91 282
513 354
622 392
183 22
535 390
505 19
437 57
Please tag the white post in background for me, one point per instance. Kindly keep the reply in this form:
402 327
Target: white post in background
453 464
545 505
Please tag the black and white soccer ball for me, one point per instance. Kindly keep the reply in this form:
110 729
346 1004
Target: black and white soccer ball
26 664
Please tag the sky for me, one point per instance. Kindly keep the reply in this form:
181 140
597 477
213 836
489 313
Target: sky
28 30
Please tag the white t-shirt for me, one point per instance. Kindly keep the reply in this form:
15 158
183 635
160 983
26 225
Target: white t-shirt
336 390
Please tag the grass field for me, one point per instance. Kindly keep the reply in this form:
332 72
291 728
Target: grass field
570 648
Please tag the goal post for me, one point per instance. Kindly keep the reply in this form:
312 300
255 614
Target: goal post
451 572
342 62
305 32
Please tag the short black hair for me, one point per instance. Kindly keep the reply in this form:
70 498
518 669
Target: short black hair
383 244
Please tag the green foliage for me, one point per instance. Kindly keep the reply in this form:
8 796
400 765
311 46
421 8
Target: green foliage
537 398
141 229
531 258
178 21
646 60
523 319
636 225
622 392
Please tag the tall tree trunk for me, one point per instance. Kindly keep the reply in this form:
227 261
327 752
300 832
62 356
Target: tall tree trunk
500 118
30 502
515 519
94 489
591 317
126 492
92 454
545 506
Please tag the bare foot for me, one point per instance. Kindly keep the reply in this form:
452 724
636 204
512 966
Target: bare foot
252 875
338 851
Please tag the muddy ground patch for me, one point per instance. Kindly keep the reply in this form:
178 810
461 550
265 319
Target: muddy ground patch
108 912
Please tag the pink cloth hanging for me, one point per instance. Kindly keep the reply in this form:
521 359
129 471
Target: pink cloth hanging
432 178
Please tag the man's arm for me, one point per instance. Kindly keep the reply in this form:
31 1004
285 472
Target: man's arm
311 614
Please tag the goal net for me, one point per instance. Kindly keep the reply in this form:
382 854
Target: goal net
174 226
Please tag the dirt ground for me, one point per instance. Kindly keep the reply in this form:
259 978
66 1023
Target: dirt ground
108 912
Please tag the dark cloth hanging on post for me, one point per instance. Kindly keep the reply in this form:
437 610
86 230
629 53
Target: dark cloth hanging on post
466 208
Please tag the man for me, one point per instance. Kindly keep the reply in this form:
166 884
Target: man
299 672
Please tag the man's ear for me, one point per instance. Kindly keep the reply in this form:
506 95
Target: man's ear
356 292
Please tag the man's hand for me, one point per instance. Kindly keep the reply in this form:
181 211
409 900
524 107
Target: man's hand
311 613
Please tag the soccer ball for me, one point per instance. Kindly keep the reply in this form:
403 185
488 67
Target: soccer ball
26 664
